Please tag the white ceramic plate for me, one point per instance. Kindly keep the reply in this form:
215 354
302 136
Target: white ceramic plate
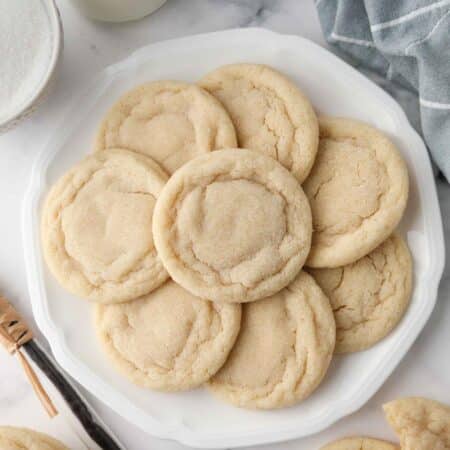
195 418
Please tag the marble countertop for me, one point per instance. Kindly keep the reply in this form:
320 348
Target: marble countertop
89 47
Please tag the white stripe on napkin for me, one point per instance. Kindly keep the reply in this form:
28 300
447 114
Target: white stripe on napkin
409 16
434 105
338 37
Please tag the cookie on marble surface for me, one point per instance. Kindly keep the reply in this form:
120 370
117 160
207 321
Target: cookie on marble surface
360 443
233 225
358 189
269 112
13 438
170 121
420 423
369 296
96 227
283 350
168 340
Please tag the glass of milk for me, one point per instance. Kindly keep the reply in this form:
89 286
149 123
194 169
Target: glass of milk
117 10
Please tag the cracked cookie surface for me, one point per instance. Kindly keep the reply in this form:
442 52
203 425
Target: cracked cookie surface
283 349
369 296
358 190
13 438
270 114
96 227
360 443
170 121
168 340
233 225
420 423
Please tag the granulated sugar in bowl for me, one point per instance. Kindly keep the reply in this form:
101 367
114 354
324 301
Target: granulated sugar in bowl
30 45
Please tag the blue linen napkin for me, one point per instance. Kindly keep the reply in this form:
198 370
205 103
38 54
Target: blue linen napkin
404 45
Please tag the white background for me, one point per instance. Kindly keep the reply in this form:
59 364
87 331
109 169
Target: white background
89 47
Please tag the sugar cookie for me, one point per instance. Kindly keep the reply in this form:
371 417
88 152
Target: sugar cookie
96 227
270 114
13 438
358 189
283 350
168 340
170 121
232 225
420 423
369 296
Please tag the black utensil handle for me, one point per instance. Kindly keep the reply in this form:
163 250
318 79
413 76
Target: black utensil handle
75 402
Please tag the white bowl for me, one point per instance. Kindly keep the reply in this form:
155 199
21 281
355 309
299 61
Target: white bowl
117 11
43 88
196 418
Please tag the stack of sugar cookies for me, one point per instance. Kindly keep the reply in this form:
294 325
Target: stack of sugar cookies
420 424
191 222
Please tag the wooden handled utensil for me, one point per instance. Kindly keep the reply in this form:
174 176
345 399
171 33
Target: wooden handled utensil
17 338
